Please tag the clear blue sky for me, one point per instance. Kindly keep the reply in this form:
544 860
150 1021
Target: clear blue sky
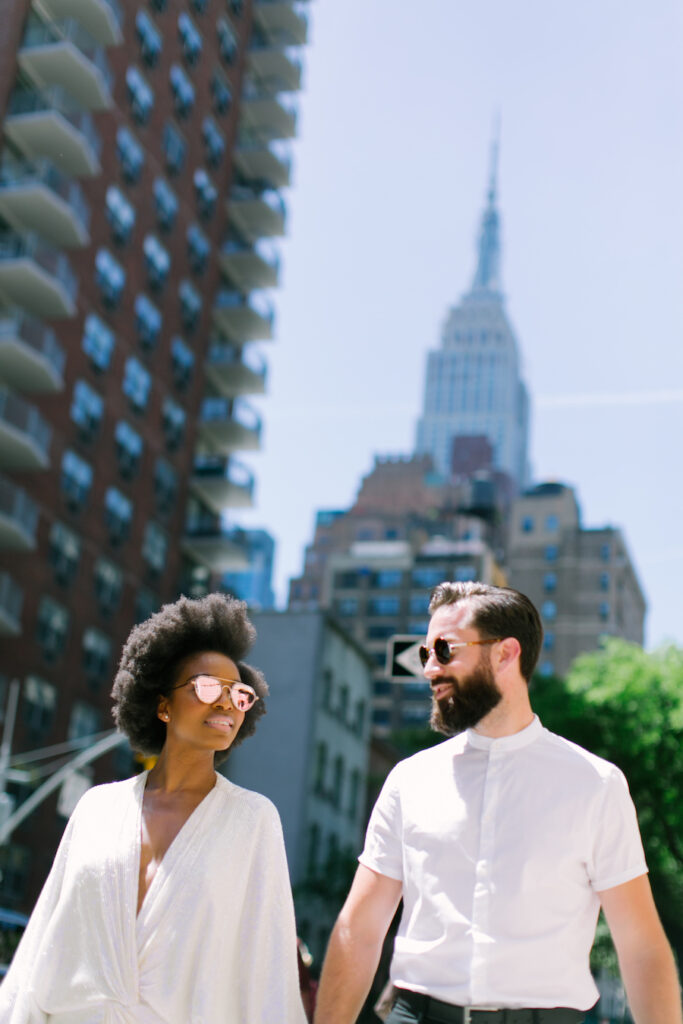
391 168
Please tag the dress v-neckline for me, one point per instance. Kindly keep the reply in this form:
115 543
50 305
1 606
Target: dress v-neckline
171 851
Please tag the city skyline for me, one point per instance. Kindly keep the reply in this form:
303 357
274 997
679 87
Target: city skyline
385 212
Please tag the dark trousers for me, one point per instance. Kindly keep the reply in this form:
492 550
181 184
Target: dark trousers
405 1012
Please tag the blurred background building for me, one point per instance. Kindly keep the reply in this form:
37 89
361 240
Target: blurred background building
145 147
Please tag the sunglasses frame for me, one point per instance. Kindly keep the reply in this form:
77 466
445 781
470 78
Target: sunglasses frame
425 652
230 684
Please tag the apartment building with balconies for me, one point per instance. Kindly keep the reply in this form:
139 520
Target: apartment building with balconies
145 147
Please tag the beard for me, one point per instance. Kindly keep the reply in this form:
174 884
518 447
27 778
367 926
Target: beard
474 696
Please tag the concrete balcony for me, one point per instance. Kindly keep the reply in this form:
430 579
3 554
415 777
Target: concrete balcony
36 197
257 213
270 117
18 517
229 426
268 164
35 276
243 317
275 68
63 54
281 20
210 544
31 358
250 266
222 482
24 435
234 371
11 600
102 19
46 124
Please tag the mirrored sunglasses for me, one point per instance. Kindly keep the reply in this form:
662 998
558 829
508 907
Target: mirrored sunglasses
445 649
209 689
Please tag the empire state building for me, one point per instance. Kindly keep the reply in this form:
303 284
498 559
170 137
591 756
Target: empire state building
474 385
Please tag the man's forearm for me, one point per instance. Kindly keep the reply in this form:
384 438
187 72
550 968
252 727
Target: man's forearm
350 965
653 989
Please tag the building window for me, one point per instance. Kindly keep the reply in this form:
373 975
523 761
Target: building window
98 342
345 580
173 418
129 447
528 524
190 305
550 582
546 669
182 361
137 382
108 585
552 524
76 480
605 552
227 41
347 606
190 38
418 604
551 552
110 278
418 627
15 864
198 249
221 92
165 487
149 38
118 515
549 610
158 5
354 792
83 721
147 321
603 611
182 90
64 553
320 768
157 261
337 781
53 626
236 7
146 603
140 95
384 606
130 153
548 641
380 632
39 705
87 409
166 204
155 547
465 573
120 214
604 581
428 577
213 141
175 148
96 654
205 193
386 578
313 852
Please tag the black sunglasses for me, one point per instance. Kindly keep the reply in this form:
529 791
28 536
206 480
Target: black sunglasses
444 649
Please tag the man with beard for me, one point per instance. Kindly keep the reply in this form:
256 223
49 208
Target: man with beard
503 842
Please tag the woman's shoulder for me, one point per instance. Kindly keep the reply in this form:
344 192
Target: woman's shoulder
109 794
251 802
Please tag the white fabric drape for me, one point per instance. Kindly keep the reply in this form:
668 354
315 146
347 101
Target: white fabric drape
214 942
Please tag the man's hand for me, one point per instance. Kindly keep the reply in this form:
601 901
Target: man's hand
645 958
355 946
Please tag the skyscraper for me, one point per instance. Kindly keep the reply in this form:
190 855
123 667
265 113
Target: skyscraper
143 153
474 385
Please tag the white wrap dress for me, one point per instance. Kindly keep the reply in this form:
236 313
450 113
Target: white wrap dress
214 942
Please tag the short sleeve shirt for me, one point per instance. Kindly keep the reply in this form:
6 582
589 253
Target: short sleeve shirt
502 846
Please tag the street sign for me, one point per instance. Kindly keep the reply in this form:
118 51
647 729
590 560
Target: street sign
403 660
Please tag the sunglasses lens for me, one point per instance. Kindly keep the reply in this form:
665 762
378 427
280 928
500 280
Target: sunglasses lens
423 653
243 697
442 651
207 689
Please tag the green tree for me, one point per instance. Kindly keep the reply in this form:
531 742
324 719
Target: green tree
626 704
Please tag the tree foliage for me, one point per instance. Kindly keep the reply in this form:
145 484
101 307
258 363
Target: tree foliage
626 705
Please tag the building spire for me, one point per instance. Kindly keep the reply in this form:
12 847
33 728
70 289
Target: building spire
487 276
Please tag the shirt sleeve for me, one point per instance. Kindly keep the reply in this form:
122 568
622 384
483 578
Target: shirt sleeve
383 851
617 854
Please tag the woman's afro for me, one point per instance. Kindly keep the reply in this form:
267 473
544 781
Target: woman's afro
155 649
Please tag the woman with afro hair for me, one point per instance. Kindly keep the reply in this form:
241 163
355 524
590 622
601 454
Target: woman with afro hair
169 898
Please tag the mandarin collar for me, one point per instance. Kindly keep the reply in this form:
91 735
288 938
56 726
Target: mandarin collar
505 744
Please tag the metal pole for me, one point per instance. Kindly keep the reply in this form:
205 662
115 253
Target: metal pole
7 732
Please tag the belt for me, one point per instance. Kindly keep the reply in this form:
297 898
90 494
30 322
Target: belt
439 1012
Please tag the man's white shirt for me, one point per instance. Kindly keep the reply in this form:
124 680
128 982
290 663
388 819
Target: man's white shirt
502 846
